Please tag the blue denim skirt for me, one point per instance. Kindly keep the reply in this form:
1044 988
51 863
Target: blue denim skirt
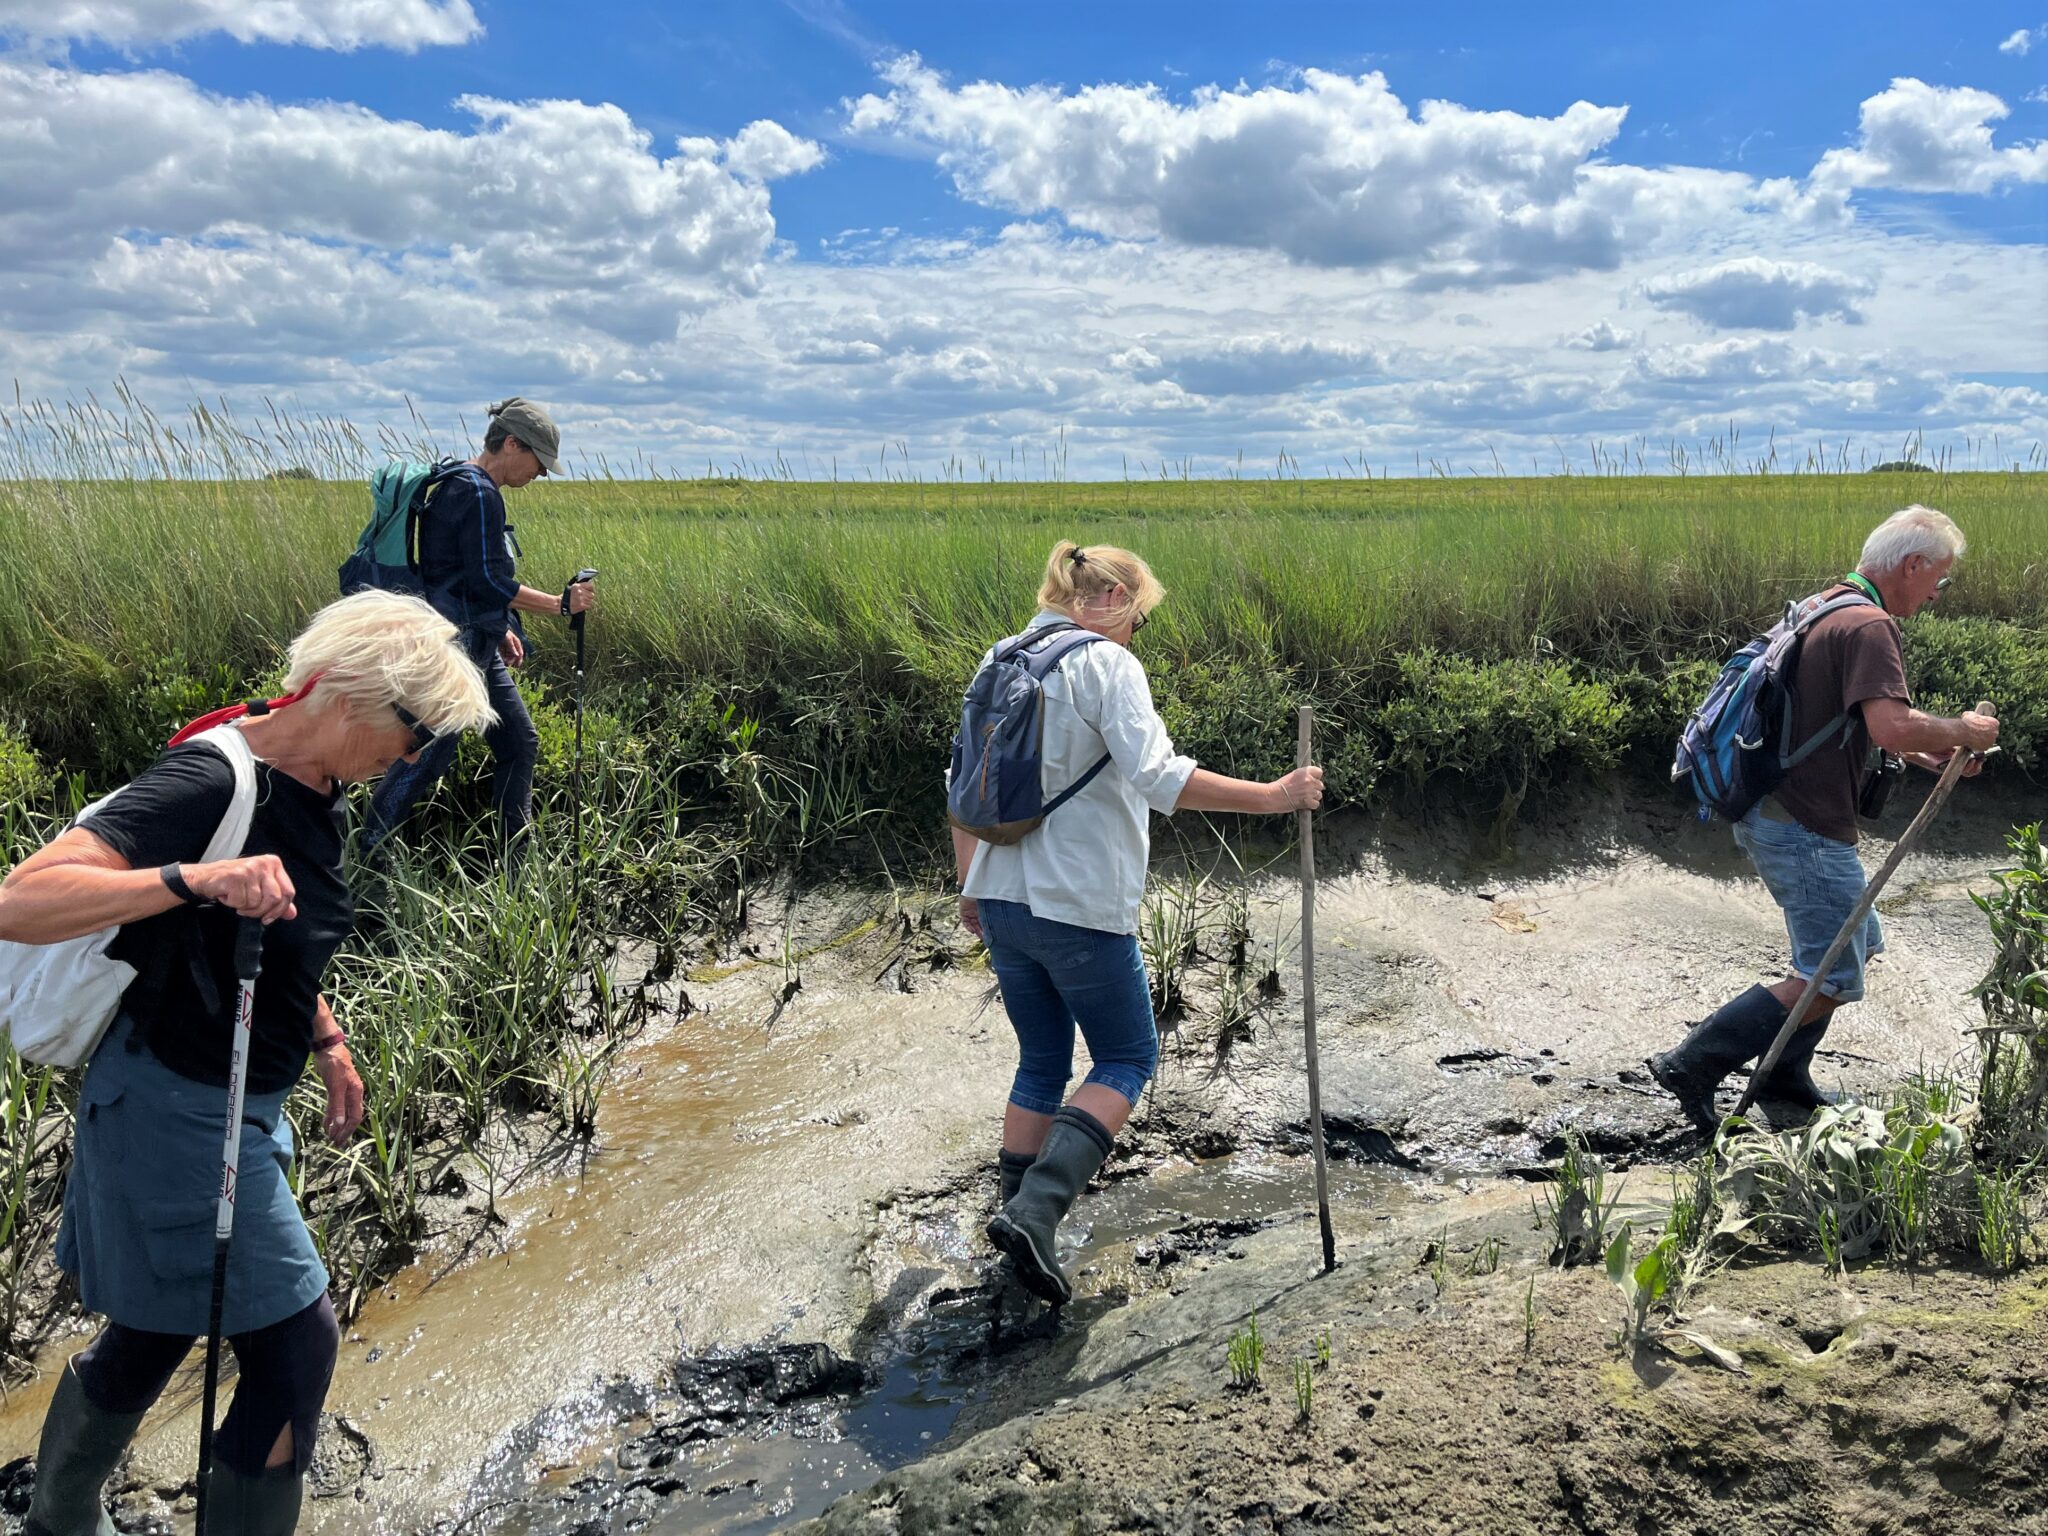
145 1179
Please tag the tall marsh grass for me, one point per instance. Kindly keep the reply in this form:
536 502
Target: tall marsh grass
146 565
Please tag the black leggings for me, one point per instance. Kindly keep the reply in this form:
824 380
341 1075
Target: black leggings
284 1372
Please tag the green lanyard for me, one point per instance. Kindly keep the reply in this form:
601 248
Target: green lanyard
1866 586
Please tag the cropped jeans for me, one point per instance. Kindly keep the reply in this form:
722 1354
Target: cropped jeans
1055 976
1817 881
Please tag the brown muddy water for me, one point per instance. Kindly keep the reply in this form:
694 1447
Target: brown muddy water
765 1287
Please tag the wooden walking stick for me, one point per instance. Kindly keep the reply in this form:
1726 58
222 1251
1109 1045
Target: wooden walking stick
1305 822
1947 783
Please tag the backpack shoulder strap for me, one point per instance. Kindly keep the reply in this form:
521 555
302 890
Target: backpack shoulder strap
1018 645
1839 725
443 471
1040 659
1801 622
233 830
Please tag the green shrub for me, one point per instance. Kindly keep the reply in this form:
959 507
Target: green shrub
1232 716
166 694
23 778
1953 663
1499 726
1659 702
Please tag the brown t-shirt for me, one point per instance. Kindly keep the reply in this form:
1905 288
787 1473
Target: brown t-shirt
1846 659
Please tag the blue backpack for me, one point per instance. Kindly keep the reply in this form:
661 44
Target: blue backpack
1738 747
387 555
994 791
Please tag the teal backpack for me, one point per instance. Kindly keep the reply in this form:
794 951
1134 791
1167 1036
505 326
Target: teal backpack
386 557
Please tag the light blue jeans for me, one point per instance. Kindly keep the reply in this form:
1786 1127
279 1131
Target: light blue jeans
1817 881
1055 976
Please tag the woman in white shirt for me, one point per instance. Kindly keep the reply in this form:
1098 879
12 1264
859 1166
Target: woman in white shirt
1059 909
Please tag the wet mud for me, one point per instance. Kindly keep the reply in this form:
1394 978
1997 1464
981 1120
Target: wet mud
763 1297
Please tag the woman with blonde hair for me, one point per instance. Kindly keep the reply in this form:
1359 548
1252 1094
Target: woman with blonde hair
1058 907
373 680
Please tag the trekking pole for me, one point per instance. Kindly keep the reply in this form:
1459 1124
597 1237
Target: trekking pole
1950 775
576 768
248 963
1305 823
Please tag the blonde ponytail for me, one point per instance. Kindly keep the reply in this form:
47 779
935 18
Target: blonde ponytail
1074 575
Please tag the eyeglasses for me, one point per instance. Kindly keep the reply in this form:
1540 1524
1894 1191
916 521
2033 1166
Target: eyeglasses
1942 585
423 735
1140 622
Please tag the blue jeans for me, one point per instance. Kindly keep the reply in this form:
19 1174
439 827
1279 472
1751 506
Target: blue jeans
514 744
1054 976
1817 881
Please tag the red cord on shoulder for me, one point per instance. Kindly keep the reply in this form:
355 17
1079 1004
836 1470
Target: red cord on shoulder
229 712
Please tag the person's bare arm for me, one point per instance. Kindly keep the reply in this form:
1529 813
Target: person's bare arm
77 885
1898 727
582 598
964 845
1301 790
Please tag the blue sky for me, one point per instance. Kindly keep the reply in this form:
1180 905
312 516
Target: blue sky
1170 230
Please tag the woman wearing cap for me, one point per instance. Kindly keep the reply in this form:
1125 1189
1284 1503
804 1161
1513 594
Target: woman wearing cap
467 552
1059 909
374 679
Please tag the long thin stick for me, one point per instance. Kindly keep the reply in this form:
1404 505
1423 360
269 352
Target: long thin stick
248 962
1305 821
1949 778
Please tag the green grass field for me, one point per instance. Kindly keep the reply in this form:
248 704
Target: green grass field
1424 617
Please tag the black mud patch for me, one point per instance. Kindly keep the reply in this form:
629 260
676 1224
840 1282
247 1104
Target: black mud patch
1353 1141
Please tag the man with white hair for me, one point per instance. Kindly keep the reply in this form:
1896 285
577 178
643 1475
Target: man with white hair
1802 836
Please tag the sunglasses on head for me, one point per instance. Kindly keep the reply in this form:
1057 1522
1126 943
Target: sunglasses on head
423 735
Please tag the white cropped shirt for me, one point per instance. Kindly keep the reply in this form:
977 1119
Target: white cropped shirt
1085 864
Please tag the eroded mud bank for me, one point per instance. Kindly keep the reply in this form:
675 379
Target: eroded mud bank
801 1160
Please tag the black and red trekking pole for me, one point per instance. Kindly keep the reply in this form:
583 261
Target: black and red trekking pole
248 964
576 767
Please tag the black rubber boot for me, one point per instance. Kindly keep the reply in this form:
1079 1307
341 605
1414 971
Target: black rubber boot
81 1444
1791 1081
1716 1046
1010 1168
1024 1229
264 1505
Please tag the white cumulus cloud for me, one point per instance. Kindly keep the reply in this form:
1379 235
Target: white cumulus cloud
1603 337
333 258
2021 43
344 25
1915 137
1757 293
540 196
766 151
1248 365
1333 170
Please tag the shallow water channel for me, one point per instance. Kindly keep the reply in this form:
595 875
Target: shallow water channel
781 1169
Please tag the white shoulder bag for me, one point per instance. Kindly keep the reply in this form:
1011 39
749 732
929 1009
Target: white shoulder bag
56 1000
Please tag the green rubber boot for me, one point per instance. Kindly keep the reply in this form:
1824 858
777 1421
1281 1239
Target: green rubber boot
81 1444
1010 1167
264 1505
1026 1226
1691 1070
1791 1081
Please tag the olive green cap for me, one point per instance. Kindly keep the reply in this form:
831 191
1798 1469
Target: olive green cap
532 426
